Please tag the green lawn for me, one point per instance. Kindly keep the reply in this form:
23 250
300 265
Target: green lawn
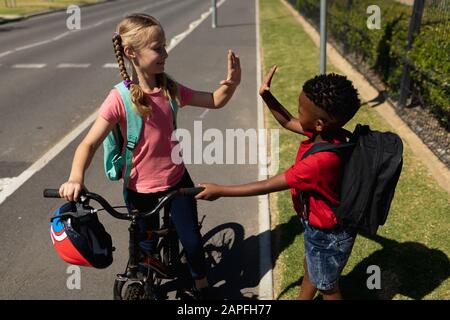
31 6
412 249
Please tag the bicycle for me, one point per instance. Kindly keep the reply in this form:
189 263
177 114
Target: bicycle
143 283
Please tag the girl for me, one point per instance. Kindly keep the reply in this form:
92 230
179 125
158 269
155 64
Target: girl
140 39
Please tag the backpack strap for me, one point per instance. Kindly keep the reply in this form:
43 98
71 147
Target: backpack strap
324 146
174 105
134 126
321 147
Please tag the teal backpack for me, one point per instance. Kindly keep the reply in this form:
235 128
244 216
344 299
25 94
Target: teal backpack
114 159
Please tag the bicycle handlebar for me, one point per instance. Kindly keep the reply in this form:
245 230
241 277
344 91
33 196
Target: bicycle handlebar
190 192
54 193
51 193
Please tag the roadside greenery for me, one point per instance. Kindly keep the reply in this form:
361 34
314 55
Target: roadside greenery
23 7
384 50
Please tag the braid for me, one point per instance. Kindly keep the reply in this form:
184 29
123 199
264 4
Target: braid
118 50
137 95
334 94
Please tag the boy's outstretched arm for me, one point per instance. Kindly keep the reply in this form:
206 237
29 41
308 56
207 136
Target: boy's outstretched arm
279 112
214 191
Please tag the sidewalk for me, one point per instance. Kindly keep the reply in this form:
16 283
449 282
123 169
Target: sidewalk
10 18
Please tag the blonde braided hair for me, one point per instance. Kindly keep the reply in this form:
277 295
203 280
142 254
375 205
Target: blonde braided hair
134 31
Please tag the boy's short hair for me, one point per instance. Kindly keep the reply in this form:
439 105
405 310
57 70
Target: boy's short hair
334 94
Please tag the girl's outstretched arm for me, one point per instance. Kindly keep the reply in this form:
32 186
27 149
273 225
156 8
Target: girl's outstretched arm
71 189
280 113
213 191
218 98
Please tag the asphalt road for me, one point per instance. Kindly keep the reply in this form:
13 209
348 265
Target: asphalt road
39 106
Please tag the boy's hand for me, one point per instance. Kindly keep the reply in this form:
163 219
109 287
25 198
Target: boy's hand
212 192
234 70
265 86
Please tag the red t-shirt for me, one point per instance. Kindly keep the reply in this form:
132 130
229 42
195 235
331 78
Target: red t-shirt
320 172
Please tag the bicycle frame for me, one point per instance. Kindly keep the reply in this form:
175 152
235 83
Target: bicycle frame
168 243
133 272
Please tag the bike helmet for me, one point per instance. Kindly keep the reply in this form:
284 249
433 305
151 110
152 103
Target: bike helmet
80 239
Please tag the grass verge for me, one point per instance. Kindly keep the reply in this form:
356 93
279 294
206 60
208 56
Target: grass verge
24 7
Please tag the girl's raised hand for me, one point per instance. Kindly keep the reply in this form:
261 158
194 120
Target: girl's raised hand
265 86
234 70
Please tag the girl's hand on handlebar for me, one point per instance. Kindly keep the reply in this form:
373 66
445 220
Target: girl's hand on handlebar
71 190
212 192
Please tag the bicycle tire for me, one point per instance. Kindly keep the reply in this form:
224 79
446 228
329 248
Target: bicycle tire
134 291
226 236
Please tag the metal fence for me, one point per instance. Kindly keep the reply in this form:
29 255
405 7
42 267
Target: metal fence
407 59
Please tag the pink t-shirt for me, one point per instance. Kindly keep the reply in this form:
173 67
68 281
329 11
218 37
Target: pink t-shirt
152 167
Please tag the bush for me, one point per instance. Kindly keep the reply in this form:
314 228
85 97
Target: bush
385 51
430 56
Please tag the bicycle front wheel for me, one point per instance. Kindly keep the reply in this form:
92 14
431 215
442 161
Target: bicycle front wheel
134 291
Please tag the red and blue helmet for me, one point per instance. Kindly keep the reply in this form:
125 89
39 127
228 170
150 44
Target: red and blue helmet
82 240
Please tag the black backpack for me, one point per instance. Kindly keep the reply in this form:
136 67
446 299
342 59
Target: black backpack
372 163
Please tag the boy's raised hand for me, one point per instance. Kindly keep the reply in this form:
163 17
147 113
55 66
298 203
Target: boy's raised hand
265 86
234 70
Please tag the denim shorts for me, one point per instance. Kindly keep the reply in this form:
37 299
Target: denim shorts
327 252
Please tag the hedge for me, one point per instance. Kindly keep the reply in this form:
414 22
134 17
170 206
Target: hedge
384 50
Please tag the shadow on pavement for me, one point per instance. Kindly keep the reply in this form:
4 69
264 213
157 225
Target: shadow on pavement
233 261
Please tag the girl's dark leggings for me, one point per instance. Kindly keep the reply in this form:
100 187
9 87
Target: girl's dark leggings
183 212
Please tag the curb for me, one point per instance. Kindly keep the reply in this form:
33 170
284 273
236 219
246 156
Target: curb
266 291
4 20
436 168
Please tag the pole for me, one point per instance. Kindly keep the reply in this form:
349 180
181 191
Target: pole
414 27
214 13
323 36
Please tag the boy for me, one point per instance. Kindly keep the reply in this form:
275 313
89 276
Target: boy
326 103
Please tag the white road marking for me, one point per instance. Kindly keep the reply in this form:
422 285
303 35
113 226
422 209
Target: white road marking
73 65
111 65
265 261
194 24
60 36
204 113
5 53
4 182
16 182
33 45
29 66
